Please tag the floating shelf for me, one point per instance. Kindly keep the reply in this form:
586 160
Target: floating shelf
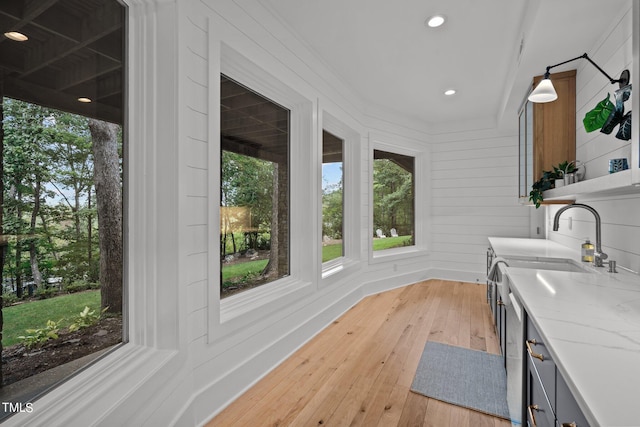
607 185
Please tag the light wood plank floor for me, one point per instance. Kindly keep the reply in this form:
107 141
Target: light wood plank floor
358 371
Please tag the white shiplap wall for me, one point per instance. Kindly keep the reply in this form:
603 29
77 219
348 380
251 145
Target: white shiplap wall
613 53
475 195
620 214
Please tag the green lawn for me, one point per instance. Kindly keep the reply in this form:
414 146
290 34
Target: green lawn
390 242
329 252
243 268
34 314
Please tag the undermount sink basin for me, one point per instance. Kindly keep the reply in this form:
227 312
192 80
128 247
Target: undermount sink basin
550 264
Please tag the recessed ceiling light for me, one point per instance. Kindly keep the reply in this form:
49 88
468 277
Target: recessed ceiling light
435 21
450 92
16 36
83 99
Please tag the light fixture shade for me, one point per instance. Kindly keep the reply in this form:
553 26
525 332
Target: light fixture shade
544 92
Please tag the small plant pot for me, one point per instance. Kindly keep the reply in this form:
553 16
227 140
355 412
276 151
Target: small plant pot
558 182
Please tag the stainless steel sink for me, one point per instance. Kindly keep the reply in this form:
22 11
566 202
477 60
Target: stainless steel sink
555 264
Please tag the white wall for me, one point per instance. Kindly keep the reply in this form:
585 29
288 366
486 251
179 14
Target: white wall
619 213
475 195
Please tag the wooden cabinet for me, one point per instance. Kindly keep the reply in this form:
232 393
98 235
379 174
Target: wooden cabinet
548 399
547 131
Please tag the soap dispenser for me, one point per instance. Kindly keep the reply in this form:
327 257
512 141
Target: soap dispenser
588 251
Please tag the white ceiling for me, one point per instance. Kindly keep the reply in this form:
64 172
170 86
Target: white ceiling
385 53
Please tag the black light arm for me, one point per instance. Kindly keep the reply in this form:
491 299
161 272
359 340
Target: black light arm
623 80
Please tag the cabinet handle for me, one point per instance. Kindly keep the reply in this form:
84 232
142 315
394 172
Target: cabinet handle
500 302
531 352
573 424
532 408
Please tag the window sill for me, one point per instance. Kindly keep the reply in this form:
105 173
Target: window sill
338 267
238 305
396 254
126 368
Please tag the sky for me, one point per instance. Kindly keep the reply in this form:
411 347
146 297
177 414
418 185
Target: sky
331 174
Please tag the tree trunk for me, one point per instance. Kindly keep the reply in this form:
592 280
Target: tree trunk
271 269
33 240
76 213
18 231
106 173
89 234
278 265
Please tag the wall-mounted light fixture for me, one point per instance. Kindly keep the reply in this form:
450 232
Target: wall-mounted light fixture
545 91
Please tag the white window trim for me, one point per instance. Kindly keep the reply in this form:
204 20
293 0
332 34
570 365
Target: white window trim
421 177
338 267
237 311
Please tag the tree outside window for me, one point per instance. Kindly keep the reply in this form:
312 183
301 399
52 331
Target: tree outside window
332 197
254 193
61 223
393 200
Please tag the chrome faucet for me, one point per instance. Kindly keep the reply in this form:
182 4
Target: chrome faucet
599 256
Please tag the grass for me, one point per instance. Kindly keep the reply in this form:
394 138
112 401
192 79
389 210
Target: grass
390 242
34 314
329 252
243 268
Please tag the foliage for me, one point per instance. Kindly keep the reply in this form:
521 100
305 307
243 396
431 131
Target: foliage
392 197
597 117
564 168
618 116
80 285
624 131
19 317
43 293
332 211
41 335
8 299
246 198
543 184
86 318
48 194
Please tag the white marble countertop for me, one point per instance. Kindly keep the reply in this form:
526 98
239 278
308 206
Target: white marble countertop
591 324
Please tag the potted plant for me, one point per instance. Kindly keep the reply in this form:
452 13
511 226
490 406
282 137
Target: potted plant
546 182
567 171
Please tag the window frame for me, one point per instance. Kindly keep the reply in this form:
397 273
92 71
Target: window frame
288 178
237 311
421 196
335 268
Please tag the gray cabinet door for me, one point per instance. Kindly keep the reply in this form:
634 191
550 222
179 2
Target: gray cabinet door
567 409
539 411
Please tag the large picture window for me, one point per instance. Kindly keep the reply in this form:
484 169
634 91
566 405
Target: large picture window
61 221
393 200
254 193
